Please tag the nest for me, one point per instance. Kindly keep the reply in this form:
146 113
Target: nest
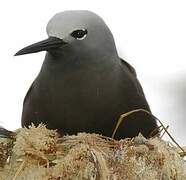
39 153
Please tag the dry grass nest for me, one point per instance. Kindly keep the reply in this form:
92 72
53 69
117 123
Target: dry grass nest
39 153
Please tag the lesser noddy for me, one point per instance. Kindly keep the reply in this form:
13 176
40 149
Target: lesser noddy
83 85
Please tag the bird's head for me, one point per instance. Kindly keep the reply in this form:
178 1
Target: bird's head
80 31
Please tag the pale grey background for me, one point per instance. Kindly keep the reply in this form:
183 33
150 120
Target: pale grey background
151 35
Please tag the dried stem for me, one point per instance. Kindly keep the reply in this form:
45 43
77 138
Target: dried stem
19 170
120 120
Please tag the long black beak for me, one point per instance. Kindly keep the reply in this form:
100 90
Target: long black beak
45 45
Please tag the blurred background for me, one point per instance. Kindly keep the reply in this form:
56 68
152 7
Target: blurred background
150 35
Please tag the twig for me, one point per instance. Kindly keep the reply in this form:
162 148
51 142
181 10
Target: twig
125 115
106 138
154 132
170 135
19 170
182 154
101 165
143 110
164 131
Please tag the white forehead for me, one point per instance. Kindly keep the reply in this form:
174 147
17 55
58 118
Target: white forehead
65 22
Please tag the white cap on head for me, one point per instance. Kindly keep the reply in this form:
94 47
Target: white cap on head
64 23
83 31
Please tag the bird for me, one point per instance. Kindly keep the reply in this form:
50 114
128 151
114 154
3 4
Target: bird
83 84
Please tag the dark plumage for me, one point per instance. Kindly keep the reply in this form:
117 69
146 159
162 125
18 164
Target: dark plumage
83 85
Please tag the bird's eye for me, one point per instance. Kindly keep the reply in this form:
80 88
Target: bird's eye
79 34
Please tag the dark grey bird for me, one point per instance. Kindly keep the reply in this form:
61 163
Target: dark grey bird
83 85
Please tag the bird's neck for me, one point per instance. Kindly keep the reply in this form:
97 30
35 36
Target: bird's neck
56 68
74 61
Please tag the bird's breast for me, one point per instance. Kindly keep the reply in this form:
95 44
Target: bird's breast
91 98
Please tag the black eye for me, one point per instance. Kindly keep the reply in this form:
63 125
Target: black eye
79 33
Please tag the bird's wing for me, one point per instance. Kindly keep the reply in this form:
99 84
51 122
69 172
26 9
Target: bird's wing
28 93
133 72
130 68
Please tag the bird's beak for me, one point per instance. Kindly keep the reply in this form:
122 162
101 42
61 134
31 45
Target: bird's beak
45 45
